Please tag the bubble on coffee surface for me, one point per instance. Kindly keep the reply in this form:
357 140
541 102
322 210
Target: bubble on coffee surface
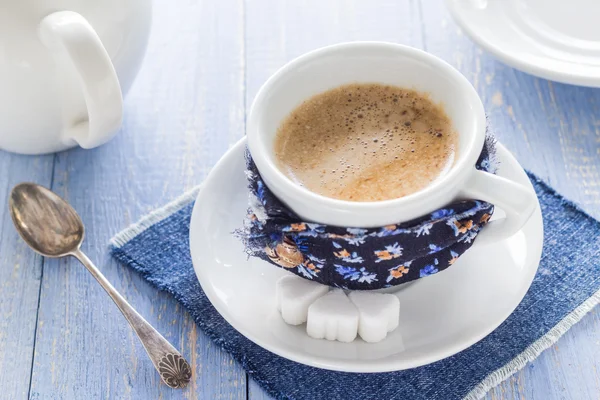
385 143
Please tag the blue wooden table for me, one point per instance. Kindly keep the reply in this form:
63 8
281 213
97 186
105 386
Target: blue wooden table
60 335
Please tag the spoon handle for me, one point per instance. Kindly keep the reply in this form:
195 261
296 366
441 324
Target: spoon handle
174 370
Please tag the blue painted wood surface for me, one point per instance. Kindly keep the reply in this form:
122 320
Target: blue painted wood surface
60 336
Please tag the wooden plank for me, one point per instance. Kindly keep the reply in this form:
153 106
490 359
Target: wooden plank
185 109
20 277
278 31
255 392
554 131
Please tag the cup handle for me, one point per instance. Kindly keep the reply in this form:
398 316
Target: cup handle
517 201
68 34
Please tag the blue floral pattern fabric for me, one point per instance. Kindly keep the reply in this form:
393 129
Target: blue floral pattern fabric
357 258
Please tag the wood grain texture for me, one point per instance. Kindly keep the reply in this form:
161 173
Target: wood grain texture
205 62
185 109
20 277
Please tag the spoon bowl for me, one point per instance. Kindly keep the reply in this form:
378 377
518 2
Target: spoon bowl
47 223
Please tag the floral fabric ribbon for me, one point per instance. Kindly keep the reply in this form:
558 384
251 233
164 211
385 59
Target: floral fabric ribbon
357 258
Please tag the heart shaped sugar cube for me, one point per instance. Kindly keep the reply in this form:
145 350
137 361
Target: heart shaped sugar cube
295 295
333 317
379 314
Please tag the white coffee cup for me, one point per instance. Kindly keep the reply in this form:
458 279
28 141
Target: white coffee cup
393 64
64 68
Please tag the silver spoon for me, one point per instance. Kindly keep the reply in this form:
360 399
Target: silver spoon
51 227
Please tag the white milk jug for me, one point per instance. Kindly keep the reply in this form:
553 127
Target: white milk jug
64 68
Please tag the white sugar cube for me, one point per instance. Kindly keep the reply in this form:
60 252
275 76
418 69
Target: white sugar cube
333 317
295 295
379 314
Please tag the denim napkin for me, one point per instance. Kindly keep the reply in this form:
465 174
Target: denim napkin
565 288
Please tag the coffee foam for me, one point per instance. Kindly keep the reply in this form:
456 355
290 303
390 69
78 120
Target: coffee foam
366 142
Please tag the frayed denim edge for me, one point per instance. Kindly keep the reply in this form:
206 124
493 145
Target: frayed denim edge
533 350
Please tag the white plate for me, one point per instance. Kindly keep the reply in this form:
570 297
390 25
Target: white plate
440 315
553 39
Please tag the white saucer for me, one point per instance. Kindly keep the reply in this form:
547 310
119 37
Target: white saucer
440 315
552 39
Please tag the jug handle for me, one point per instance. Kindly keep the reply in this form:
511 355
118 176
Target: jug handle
68 33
